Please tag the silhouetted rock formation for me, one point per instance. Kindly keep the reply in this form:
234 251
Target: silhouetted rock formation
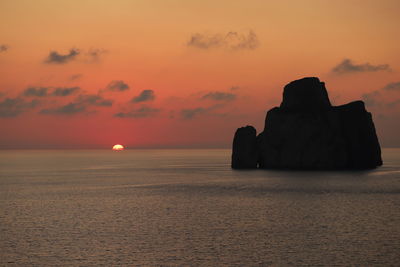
307 132
244 154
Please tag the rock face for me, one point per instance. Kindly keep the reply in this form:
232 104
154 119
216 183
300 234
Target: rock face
307 132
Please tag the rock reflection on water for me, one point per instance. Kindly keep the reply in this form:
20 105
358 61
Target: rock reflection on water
187 207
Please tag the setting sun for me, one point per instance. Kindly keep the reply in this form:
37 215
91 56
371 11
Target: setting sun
118 147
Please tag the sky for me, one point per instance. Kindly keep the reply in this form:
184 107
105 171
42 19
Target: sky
185 74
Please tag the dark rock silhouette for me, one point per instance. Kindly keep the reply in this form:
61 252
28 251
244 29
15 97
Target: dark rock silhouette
307 94
244 154
307 132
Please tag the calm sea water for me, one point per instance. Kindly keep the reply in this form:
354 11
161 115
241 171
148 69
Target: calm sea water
188 208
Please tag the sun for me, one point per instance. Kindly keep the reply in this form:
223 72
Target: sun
118 147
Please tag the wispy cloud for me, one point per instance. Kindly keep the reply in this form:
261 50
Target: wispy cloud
395 86
219 96
81 104
347 66
12 107
94 100
65 91
117 86
191 113
144 96
68 109
370 99
36 91
49 91
387 96
56 58
75 77
230 40
88 56
142 112
3 48
94 54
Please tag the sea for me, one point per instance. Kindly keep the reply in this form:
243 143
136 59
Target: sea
189 208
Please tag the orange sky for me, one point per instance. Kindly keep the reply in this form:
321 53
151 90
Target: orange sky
209 67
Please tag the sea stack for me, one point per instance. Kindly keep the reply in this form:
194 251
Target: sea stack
307 132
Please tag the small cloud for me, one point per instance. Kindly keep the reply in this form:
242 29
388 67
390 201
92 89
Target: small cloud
3 48
395 86
75 77
219 96
12 107
36 91
145 95
234 88
88 56
393 103
68 109
142 112
191 113
56 58
80 105
230 41
45 91
203 41
195 112
94 100
385 97
65 91
95 54
239 41
370 99
117 86
347 66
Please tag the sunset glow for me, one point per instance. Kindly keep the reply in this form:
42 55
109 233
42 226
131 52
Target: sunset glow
118 147
185 73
